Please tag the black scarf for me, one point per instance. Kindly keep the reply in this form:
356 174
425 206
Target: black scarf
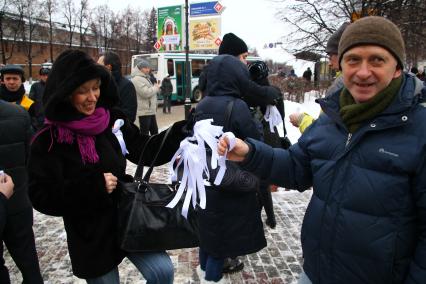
12 97
354 114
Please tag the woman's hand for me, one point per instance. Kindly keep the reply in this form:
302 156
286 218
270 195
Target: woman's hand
237 154
6 185
110 182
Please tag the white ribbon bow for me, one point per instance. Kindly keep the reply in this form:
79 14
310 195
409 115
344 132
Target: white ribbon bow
192 153
117 132
273 116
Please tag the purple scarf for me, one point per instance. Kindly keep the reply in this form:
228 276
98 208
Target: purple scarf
84 130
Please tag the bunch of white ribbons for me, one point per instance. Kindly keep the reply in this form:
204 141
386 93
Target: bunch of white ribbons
273 116
117 132
192 155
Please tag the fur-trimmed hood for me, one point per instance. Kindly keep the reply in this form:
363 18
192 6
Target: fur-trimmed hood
71 69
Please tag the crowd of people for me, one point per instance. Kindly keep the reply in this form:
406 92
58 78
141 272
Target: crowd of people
64 147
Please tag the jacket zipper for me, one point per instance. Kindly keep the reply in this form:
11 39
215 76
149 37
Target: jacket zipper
348 140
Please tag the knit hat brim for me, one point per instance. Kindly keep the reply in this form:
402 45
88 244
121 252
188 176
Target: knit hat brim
232 45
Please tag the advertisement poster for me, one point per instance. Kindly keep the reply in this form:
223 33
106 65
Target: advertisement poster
170 28
204 33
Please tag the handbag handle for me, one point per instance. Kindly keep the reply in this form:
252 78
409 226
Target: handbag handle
228 113
139 169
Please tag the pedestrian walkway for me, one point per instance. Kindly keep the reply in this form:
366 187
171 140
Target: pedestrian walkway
279 262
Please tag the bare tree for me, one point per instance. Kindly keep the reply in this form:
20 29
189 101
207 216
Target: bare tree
50 6
83 19
10 28
69 13
128 21
151 30
311 22
139 29
30 16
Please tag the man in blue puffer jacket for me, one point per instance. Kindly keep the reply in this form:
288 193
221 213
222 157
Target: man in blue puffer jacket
365 158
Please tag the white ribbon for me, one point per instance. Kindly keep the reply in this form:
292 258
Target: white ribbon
117 132
273 116
222 159
192 155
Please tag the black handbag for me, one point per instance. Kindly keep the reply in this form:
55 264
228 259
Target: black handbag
235 178
145 224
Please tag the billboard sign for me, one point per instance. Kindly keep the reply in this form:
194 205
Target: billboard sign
204 33
170 28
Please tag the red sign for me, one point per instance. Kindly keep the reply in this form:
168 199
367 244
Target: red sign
218 7
157 45
218 41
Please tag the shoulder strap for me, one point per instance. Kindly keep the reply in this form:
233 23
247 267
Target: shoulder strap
226 122
139 169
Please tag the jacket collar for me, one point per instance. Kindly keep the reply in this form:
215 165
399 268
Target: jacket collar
408 95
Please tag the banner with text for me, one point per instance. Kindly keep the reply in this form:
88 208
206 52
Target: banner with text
204 33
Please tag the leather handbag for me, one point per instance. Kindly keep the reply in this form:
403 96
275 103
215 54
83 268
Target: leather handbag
145 224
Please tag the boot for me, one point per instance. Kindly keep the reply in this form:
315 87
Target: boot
221 281
232 265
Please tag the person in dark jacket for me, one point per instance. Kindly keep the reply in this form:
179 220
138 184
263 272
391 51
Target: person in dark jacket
231 224
12 90
126 90
36 94
233 45
18 235
166 91
365 158
307 75
76 161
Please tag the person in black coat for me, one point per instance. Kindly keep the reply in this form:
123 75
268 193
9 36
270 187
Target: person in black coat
18 235
76 162
36 94
126 91
231 224
166 91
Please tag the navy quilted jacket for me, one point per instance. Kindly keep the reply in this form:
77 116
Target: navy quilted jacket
366 220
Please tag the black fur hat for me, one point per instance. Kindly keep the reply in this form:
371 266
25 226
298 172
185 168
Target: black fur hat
233 45
71 69
12 69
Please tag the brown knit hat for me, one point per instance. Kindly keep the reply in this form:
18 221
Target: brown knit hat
374 30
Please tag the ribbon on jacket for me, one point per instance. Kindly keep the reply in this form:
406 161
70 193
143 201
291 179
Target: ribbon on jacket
117 132
192 155
273 116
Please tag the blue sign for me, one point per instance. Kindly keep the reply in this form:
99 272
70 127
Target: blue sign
205 9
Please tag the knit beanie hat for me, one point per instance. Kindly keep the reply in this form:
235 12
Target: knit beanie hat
333 41
232 45
142 63
374 30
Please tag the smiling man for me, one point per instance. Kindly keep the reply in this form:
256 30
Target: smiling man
365 159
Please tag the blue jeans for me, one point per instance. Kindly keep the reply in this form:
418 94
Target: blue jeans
213 266
156 268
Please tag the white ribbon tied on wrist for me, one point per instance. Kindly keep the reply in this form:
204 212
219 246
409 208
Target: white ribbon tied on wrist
192 155
222 159
117 132
273 116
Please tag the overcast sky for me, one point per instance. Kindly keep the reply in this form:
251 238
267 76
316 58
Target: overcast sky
255 23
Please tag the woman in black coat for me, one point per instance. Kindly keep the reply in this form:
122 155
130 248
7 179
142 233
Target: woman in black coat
76 161
231 224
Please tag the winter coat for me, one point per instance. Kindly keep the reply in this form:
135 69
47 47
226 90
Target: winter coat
166 87
36 94
15 134
231 224
146 94
127 92
3 212
366 220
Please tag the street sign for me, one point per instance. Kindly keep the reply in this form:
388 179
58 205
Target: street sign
213 8
218 41
157 45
